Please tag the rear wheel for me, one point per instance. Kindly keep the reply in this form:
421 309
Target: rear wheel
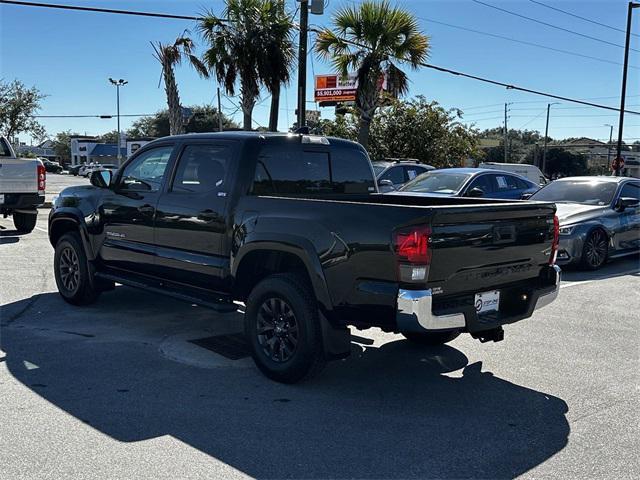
72 272
595 250
25 222
431 338
283 329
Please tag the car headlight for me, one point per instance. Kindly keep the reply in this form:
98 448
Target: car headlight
566 230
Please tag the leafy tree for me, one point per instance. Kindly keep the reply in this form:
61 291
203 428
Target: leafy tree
564 163
110 137
169 56
204 119
18 105
235 50
278 53
62 145
413 128
372 38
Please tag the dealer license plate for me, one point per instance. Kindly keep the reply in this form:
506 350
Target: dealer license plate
487 301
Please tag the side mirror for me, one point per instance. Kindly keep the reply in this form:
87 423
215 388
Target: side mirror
627 202
475 192
101 178
526 196
385 183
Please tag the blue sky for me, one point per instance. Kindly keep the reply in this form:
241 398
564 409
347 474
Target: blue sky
70 55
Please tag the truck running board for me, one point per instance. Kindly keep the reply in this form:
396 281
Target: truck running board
219 303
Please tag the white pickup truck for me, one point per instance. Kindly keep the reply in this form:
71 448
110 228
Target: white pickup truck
22 185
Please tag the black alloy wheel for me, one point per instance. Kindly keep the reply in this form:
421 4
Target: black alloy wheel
277 329
594 253
69 269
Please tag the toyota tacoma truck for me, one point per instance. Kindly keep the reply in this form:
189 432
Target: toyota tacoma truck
22 186
293 226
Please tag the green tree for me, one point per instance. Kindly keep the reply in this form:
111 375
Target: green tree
564 163
110 137
204 119
18 105
170 56
62 145
373 38
278 53
235 50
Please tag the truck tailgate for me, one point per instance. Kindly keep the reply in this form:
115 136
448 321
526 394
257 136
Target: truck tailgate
18 175
477 248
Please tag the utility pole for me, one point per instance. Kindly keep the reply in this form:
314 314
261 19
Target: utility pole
506 130
219 111
546 135
632 5
609 145
118 84
302 63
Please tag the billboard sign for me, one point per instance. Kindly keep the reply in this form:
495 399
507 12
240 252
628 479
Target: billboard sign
335 88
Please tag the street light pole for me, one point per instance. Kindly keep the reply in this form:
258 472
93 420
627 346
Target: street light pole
118 83
546 135
625 67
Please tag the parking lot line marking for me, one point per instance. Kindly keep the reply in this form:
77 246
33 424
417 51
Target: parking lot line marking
591 280
42 229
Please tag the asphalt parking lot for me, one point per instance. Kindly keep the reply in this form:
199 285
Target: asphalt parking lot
117 390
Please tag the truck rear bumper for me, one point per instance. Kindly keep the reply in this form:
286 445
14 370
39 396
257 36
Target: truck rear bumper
17 201
416 309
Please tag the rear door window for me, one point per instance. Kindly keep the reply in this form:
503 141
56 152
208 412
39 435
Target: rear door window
413 171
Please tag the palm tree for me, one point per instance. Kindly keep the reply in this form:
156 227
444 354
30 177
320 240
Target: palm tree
235 50
371 38
170 55
278 54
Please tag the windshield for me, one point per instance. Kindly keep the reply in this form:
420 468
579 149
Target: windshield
437 182
587 192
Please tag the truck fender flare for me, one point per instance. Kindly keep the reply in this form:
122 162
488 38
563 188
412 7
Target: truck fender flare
298 246
71 215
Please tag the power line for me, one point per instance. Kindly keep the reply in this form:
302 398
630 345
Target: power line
582 18
596 39
95 116
426 65
100 10
524 42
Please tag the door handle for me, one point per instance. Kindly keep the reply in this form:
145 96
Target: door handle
146 209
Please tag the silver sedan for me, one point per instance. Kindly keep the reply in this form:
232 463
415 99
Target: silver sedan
599 218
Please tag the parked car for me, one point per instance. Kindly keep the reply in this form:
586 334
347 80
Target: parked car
470 182
51 166
82 171
392 173
74 169
531 172
599 218
22 186
293 226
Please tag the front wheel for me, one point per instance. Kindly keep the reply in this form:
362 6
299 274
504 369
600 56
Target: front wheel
72 271
431 338
595 250
283 330
25 222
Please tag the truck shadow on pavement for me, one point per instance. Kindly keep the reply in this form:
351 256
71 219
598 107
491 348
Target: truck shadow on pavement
397 411
629 265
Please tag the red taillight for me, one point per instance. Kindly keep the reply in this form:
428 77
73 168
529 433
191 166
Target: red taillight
42 178
556 240
412 245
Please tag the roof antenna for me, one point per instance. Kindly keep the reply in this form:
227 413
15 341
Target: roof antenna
303 130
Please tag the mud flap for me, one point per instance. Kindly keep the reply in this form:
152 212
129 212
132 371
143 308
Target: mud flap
336 341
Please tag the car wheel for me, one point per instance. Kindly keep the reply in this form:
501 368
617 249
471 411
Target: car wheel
25 222
72 271
431 338
595 249
283 329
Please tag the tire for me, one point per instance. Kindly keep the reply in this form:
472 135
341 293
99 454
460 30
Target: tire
282 328
72 272
595 250
25 222
431 338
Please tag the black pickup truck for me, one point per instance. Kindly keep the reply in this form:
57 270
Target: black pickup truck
293 226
